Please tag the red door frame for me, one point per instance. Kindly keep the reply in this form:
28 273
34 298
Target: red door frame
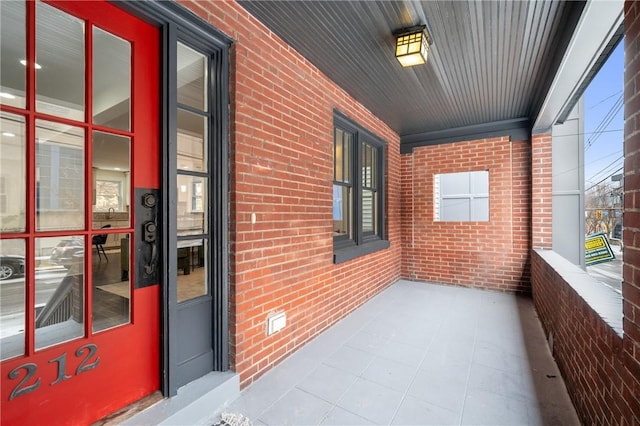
81 381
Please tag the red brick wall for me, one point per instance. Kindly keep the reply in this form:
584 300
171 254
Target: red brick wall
541 194
491 254
631 232
595 366
602 370
282 171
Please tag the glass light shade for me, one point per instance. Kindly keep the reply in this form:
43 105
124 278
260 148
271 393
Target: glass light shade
412 48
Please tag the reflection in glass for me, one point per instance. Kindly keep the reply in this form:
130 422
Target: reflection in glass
192 270
13 46
341 210
59 289
111 286
59 176
192 205
111 80
12 298
13 163
111 180
60 63
192 75
192 132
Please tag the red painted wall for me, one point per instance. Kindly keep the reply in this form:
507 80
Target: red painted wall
493 254
282 171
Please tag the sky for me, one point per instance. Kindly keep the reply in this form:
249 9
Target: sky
604 122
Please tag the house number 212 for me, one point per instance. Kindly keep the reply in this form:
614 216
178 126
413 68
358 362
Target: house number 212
86 352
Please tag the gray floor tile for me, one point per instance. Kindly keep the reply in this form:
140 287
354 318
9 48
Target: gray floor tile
328 383
414 411
372 401
442 387
487 408
366 341
349 359
508 384
341 417
296 407
401 352
419 353
492 355
448 354
391 374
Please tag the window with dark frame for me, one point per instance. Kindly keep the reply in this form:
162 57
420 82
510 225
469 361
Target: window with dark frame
358 191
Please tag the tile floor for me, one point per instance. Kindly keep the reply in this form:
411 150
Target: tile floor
419 354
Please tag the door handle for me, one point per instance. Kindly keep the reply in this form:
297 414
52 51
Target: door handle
150 236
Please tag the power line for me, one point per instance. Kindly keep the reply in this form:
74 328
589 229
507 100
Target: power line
594 185
606 120
593 176
605 99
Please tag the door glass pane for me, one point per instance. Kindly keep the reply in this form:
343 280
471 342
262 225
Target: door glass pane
111 80
12 298
111 285
192 76
59 176
13 46
192 270
111 180
192 205
192 132
13 163
59 63
59 305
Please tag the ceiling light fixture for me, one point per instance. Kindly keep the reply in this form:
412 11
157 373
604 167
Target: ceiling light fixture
412 45
7 95
24 63
9 134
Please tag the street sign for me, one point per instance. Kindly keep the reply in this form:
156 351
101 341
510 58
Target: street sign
597 249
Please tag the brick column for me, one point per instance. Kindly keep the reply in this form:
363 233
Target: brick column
631 233
541 191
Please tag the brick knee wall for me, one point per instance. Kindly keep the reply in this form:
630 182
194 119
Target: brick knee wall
588 352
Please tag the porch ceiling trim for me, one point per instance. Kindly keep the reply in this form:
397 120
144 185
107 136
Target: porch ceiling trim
517 129
598 31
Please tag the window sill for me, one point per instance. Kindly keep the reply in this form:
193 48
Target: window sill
348 253
605 301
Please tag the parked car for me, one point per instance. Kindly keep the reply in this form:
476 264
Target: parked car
63 253
11 266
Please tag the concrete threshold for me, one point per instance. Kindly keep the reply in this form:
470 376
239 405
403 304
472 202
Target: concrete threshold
197 403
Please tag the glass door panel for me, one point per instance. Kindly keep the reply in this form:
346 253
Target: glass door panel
13 173
192 210
60 176
192 269
111 165
60 63
192 132
13 45
192 205
59 289
111 303
192 78
12 297
111 80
